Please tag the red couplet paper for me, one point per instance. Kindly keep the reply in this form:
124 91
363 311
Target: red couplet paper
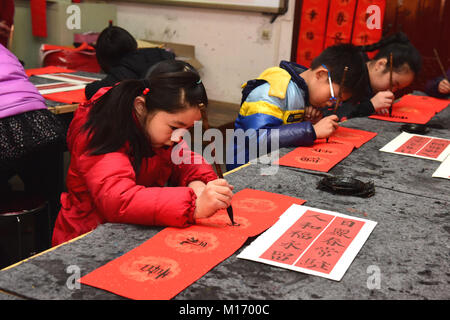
425 103
58 85
74 77
312 30
39 18
404 111
434 148
74 96
166 264
316 241
169 262
366 32
254 211
413 145
312 241
340 22
46 70
351 136
424 146
319 157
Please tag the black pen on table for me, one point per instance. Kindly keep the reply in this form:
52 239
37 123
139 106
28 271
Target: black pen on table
216 165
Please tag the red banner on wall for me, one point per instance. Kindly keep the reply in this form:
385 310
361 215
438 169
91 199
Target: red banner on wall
312 30
340 22
368 22
38 18
325 23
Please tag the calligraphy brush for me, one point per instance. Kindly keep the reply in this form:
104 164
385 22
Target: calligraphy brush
339 98
390 79
216 165
338 101
440 64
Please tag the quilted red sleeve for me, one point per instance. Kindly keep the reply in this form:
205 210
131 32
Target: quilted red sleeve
190 166
112 184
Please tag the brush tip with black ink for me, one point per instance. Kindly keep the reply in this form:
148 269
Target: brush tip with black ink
231 215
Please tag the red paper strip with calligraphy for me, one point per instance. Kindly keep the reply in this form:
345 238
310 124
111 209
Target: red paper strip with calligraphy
174 258
312 30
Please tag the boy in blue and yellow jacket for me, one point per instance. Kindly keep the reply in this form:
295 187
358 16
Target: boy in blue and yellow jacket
287 98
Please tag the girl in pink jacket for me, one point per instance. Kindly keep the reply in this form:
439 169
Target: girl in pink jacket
121 145
31 139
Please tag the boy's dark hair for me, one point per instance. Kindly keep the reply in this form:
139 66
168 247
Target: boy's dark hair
336 58
112 45
173 86
403 52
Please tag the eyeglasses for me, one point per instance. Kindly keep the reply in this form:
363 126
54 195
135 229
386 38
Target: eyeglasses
333 98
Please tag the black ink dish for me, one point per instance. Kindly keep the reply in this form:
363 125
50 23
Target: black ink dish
415 128
347 186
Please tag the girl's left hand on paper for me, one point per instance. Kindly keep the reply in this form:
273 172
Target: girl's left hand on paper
215 196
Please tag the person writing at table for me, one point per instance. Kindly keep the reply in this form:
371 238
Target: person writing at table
378 96
121 145
119 57
287 98
439 87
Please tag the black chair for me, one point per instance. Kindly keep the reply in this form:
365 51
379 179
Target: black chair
25 227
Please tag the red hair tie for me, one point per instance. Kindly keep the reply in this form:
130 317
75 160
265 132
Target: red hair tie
146 90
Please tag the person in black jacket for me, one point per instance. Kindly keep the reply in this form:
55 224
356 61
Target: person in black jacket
439 87
120 58
377 97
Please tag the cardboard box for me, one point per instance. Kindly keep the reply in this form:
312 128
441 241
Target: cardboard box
183 52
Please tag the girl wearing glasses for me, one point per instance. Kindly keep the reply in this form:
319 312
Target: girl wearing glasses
378 97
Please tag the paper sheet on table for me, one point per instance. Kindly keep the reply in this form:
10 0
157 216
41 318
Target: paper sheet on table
313 241
70 97
46 70
50 88
425 102
414 109
67 77
419 146
167 263
443 171
355 137
320 156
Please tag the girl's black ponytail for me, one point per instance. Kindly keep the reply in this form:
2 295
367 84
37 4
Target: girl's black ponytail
170 86
402 50
398 37
111 122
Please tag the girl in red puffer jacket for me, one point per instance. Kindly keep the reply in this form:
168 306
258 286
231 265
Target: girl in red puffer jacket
121 145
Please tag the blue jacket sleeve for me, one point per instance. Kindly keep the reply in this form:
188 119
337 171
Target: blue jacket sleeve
258 134
289 135
295 134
